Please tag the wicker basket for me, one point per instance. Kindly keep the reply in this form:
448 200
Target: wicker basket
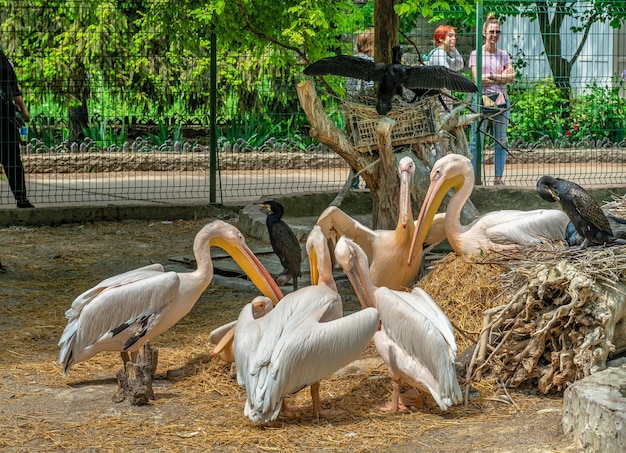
413 120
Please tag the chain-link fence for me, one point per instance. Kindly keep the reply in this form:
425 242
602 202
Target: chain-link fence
121 112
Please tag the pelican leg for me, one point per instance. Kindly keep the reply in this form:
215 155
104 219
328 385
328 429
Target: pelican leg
125 357
315 397
397 403
317 408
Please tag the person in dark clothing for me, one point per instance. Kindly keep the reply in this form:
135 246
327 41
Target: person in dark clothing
10 102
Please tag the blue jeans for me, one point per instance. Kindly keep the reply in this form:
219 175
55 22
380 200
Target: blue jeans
499 125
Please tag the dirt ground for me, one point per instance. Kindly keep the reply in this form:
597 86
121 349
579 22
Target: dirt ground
198 407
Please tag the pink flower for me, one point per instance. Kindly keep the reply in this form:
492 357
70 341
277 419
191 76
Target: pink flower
576 127
568 134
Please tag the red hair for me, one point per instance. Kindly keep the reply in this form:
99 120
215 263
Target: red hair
441 32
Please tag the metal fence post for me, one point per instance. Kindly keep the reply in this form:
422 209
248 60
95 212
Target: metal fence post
213 123
478 139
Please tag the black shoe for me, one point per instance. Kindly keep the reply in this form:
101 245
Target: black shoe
24 204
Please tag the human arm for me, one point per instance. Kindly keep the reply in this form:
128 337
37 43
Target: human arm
506 76
442 58
21 107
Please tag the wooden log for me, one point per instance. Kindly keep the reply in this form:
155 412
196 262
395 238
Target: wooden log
135 380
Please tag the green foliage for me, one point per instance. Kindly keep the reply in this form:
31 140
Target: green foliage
538 111
165 133
542 110
43 128
105 134
600 113
256 130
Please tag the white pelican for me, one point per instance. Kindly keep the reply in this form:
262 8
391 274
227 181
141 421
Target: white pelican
416 339
494 231
302 340
385 248
121 313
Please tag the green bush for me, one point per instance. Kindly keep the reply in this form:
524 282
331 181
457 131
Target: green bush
538 111
543 110
599 114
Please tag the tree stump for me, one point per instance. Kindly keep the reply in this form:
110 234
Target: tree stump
135 380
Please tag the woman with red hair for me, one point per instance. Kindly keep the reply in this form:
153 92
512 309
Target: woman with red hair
445 52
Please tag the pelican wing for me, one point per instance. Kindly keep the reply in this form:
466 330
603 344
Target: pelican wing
117 280
419 335
525 227
117 318
309 352
248 334
347 66
427 355
437 77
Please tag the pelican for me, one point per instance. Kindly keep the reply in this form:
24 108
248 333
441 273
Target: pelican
584 211
303 339
416 339
494 231
384 247
122 312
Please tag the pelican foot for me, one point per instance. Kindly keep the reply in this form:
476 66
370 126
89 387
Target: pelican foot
389 407
412 398
299 411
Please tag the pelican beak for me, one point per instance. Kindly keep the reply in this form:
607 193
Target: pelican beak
315 275
226 341
405 198
366 299
439 187
253 268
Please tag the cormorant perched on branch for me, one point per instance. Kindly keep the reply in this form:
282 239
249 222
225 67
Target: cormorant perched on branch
391 77
582 209
283 240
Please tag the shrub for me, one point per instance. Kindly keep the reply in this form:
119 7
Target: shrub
538 111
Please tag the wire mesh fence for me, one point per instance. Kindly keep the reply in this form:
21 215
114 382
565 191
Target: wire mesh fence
145 118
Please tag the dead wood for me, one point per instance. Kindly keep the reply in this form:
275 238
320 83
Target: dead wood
135 380
560 322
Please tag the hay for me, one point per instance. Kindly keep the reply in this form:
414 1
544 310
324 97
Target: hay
551 322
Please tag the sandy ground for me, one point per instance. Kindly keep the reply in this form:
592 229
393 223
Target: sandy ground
198 407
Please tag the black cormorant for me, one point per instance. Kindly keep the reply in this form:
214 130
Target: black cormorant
391 77
583 210
284 241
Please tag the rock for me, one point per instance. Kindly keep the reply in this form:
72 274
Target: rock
594 410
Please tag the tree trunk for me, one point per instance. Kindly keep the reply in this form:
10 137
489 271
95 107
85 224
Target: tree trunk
79 91
380 166
386 24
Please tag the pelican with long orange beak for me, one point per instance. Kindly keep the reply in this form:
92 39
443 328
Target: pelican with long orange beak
385 248
121 313
495 231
